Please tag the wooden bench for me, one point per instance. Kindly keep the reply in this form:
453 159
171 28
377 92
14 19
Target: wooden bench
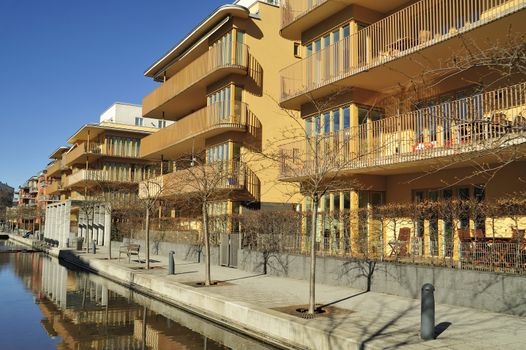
129 250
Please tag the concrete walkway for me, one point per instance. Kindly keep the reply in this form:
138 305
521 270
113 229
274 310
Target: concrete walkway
375 320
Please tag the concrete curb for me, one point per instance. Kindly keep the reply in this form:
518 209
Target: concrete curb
267 325
270 326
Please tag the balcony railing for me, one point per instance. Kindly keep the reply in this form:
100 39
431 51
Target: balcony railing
484 121
53 188
55 168
221 177
100 176
291 10
411 29
221 115
215 58
94 148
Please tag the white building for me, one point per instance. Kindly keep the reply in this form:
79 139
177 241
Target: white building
130 114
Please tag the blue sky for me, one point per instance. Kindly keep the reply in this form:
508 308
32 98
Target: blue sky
65 61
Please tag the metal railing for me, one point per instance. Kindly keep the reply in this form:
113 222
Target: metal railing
54 167
509 257
100 176
220 177
81 150
411 29
215 58
53 188
291 10
226 115
484 121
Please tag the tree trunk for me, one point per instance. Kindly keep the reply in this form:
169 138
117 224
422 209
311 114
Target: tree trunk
312 279
147 229
207 244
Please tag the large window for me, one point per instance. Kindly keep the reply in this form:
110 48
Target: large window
220 104
120 146
221 152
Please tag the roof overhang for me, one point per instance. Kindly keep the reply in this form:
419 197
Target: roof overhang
93 130
195 36
57 154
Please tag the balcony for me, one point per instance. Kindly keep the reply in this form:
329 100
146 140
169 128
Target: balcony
192 130
414 28
86 151
53 188
55 168
225 180
409 142
93 177
177 96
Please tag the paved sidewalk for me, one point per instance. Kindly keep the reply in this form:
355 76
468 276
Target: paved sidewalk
376 320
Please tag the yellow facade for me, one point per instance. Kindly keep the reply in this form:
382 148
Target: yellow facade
223 95
100 153
358 57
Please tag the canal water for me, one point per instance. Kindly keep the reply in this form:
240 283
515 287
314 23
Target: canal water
49 306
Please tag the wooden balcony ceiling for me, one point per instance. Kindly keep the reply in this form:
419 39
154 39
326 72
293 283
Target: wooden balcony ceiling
94 130
303 22
386 76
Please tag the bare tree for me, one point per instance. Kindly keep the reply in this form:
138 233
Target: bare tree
316 158
198 183
150 191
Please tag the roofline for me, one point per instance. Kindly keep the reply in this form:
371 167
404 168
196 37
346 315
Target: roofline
193 35
57 150
121 103
97 126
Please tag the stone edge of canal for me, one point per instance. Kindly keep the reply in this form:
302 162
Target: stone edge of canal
262 324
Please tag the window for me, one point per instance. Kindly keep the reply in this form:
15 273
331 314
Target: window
219 103
346 117
336 119
297 52
161 124
139 121
326 123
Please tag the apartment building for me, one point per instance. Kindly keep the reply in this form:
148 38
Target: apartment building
220 86
359 61
26 204
6 200
102 158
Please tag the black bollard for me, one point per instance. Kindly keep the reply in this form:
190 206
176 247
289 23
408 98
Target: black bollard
171 263
427 312
94 247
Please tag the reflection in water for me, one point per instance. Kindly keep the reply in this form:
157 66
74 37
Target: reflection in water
84 311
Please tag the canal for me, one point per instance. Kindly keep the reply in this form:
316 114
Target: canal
49 306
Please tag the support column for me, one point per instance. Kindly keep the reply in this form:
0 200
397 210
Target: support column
426 240
354 219
456 241
354 135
